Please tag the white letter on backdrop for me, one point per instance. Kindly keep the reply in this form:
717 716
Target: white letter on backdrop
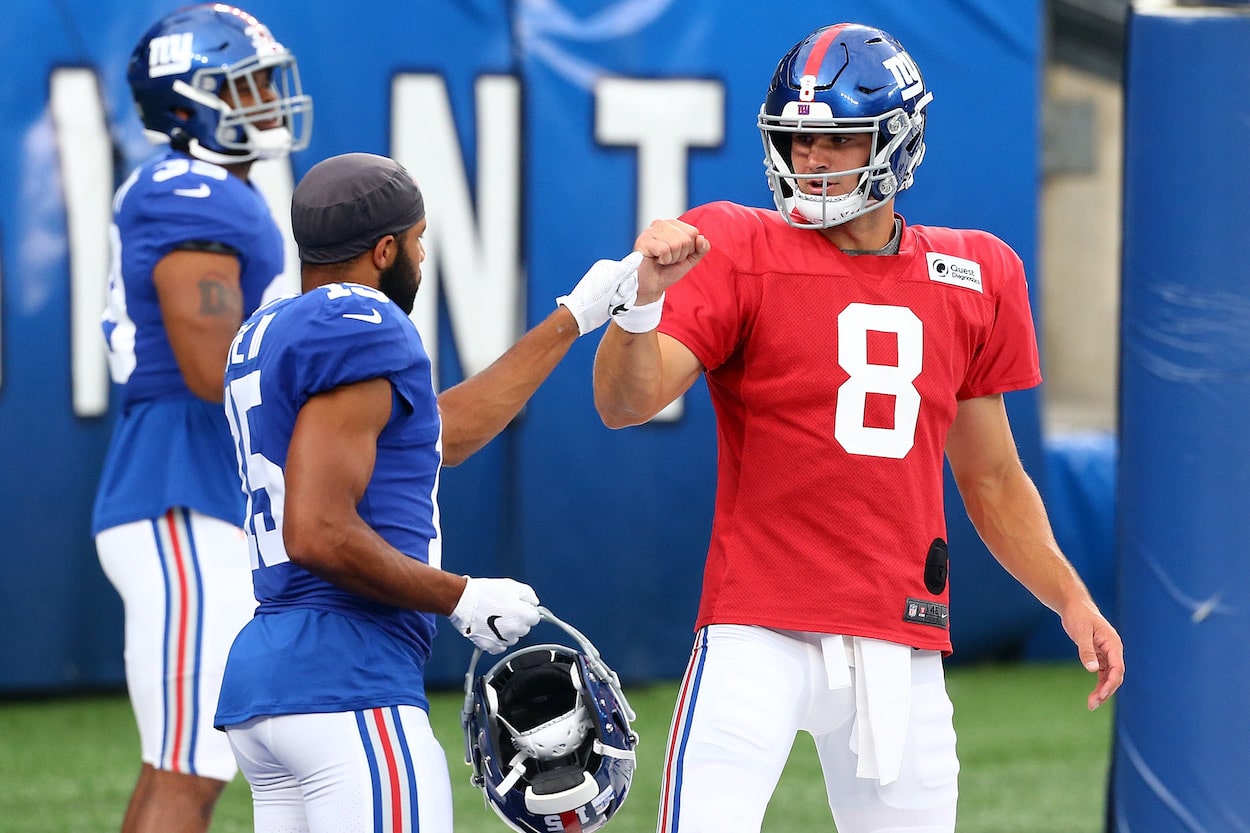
86 153
473 255
663 119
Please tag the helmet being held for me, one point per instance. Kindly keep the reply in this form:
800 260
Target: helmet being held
547 733
844 79
212 80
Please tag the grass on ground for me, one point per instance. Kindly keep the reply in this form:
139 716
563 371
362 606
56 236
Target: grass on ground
1032 761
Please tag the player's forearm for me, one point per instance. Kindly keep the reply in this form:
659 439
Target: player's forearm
354 557
1008 513
477 409
628 377
206 386
201 357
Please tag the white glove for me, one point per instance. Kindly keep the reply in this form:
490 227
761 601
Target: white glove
588 301
628 314
495 612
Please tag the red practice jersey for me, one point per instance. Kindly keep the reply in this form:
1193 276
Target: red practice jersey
835 379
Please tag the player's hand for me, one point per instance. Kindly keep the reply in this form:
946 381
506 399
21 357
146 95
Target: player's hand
495 612
588 301
1099 648
671 248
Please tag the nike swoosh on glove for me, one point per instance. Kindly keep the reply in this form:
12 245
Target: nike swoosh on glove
495 612
628 314
589 301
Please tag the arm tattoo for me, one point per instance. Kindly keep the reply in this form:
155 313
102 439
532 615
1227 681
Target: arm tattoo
218 299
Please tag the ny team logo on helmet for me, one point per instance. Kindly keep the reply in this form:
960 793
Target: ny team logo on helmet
213 79
844 79
547 733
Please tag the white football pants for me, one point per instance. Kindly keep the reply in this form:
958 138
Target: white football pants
879 714
370 771
186 584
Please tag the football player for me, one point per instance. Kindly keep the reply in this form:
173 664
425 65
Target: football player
340 442
845 352
195 249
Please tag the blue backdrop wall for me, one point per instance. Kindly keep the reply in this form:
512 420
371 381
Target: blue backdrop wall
544 135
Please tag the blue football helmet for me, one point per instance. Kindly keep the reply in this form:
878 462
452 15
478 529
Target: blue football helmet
547 733
212 80
841 79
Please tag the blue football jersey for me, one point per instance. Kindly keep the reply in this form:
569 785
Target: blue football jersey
169 447
313 646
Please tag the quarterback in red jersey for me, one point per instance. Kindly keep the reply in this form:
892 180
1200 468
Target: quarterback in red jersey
845 352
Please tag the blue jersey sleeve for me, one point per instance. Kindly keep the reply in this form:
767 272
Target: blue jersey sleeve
178 199
287 352
333 336
353 334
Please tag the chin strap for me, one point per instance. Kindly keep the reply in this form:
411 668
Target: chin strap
613 752
515 774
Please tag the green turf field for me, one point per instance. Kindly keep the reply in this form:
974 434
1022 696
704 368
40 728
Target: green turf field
1033 761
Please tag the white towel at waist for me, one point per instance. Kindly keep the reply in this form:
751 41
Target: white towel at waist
882 672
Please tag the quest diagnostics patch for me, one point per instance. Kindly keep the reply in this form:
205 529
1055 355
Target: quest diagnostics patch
955 271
